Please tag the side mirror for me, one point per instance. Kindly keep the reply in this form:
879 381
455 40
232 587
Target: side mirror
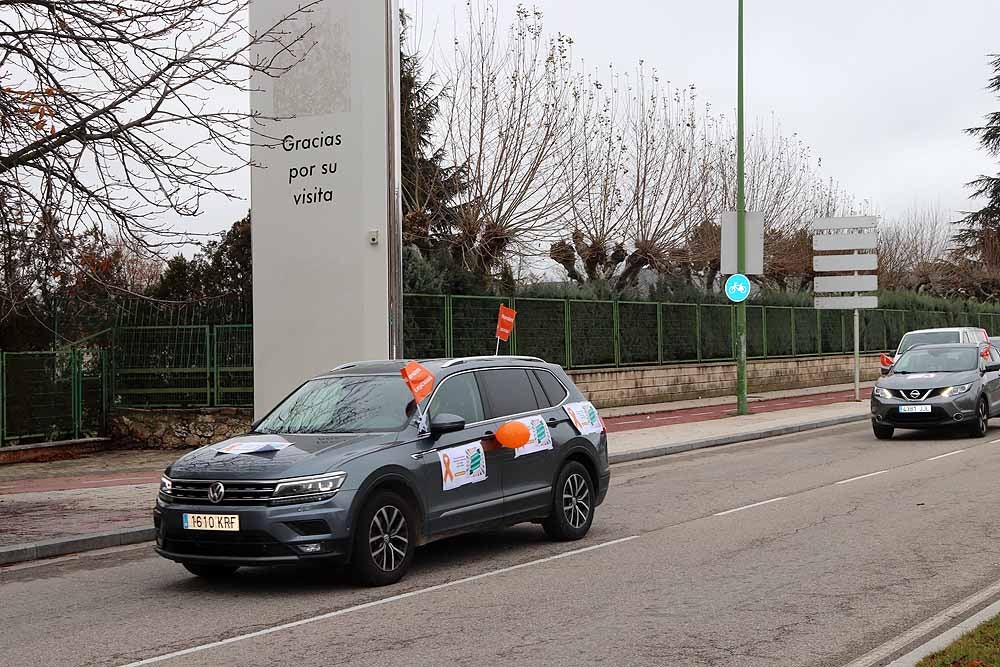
885 370
513 435
445 423
992 368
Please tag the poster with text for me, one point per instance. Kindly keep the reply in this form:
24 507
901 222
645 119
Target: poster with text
584 417
465 464
541 437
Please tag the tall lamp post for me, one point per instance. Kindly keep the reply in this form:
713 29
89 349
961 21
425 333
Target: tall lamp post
741 233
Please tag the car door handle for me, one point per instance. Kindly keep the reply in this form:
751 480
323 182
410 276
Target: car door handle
488 434
552 421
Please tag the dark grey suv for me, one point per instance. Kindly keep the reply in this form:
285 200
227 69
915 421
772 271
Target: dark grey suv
932 386
349 468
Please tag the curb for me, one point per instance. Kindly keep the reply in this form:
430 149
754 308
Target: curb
677 448
71 545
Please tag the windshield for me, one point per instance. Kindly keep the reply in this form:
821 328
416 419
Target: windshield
926 338
938 360
353 404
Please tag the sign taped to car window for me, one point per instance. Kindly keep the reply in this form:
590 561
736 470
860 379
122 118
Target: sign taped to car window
584 417
462 465
541 437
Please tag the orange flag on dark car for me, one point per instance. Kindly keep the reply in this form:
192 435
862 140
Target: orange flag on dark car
418 379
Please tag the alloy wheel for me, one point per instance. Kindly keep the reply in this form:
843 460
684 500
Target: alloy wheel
983 418
576 500
388 538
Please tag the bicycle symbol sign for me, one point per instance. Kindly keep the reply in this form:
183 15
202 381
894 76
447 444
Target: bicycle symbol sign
738 288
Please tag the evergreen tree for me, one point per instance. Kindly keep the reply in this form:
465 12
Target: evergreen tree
979 239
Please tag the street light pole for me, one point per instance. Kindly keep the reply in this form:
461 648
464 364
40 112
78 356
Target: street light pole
741 234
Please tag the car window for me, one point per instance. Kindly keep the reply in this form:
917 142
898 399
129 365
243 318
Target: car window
994 355
927 338
938 360
508 392
554 389
347 404
459 396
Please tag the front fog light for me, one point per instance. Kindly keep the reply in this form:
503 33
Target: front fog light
166 486
313 548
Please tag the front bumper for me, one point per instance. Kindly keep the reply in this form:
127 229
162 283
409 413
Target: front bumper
945 412
267 535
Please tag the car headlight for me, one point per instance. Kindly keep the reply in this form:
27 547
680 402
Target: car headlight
957 389
308 489
166 486
882 393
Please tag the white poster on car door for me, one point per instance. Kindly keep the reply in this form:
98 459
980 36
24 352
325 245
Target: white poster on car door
465 464
541 437
585 418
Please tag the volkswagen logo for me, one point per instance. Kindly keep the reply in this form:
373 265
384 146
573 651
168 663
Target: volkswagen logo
913 394
216 492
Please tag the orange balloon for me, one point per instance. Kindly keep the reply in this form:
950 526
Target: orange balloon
513 435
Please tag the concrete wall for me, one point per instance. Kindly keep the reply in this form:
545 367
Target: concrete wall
616 387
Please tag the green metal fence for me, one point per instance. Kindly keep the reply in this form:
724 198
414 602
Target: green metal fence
196 364
595 334
47 396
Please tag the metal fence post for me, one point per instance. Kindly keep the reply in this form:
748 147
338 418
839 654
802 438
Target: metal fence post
568 319
3 398
819 332
449 333
513 333
697 328
616 332
763 329
795 344
659 334
76 389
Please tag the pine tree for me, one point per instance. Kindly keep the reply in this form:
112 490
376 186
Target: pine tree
979 239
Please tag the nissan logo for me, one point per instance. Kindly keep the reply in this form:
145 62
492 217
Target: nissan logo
216 492
913 394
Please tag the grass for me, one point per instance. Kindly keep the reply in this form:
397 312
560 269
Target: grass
978 648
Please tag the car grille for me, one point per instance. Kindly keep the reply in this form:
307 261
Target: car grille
245 544
195 492
904 394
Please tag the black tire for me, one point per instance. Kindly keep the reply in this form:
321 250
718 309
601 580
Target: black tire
384 547
211 570
573 505
881 431
982 421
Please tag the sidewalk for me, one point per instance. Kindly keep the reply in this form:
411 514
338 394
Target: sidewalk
50 509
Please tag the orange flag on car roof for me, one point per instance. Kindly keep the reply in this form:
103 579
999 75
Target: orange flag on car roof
418 379
505 322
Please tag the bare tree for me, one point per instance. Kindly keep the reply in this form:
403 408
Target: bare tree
111 118
911 246
508 119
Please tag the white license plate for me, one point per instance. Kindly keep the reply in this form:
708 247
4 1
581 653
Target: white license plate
914 408
227 522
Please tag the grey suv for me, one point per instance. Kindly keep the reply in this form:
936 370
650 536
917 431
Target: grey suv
932 386
349 468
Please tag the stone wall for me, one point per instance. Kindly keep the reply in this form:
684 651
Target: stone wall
177 429
613 387
616 387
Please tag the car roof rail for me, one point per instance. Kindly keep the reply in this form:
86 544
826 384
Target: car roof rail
462 360
350 364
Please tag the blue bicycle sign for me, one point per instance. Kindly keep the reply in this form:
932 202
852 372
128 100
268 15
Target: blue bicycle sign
738 288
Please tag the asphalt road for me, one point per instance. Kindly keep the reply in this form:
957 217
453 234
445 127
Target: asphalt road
831 568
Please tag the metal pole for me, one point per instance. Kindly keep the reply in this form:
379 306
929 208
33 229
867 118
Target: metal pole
857 355
741 233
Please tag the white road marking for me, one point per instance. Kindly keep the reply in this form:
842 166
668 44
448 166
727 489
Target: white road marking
993 442
746 507
941 456
701 414
854 479
877 655
665 418
633 421
369 605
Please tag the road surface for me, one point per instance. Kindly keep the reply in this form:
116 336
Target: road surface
803 550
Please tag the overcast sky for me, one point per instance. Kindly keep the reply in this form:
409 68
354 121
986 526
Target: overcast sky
881 89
